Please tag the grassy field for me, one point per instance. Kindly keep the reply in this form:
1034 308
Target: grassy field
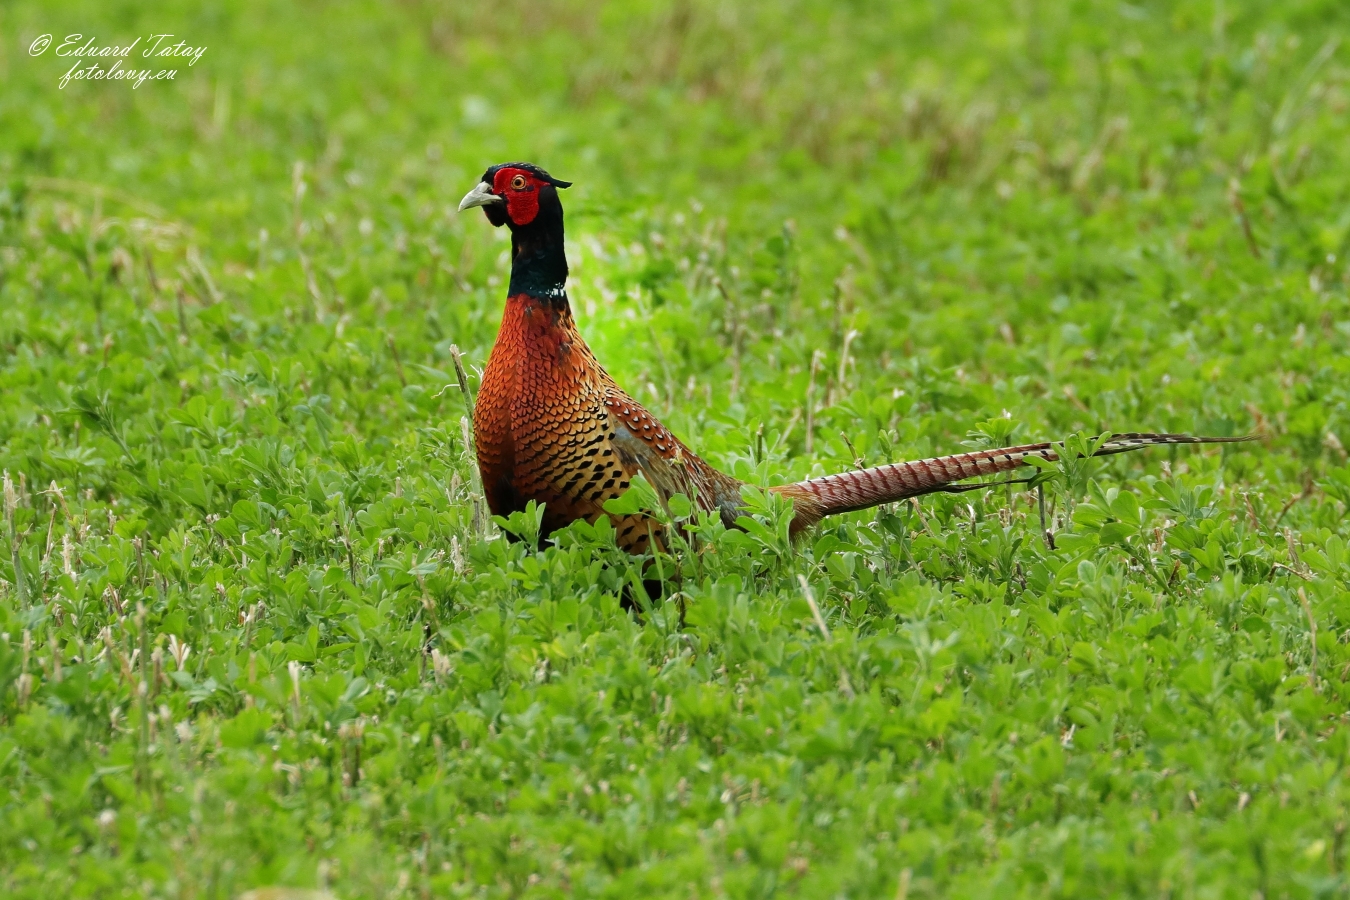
256 631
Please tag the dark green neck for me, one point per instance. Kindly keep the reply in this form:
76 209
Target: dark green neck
538 261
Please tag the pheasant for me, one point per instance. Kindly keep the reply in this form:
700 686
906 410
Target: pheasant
552 426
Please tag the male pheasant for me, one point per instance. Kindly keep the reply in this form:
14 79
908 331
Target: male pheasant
553 427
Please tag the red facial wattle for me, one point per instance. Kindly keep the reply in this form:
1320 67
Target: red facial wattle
522 203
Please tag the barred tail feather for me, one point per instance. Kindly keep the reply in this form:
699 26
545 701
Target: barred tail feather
852 491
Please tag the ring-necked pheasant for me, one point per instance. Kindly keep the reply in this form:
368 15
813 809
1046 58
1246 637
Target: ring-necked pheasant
553 427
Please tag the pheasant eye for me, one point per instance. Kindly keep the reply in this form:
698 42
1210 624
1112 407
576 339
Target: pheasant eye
518 182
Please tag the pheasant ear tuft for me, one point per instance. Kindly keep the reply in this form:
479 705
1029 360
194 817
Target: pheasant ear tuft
534 170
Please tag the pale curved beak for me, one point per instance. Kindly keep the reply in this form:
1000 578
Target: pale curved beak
480 196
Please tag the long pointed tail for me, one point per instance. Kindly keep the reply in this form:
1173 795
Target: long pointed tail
851 491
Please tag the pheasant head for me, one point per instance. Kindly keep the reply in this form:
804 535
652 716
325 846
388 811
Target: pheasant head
524 198
515 194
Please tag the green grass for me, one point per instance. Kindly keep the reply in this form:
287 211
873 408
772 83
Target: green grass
254 636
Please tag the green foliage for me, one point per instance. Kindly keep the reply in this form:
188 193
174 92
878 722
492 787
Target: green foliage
256 630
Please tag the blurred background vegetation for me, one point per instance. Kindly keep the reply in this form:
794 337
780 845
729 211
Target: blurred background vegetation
835 168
